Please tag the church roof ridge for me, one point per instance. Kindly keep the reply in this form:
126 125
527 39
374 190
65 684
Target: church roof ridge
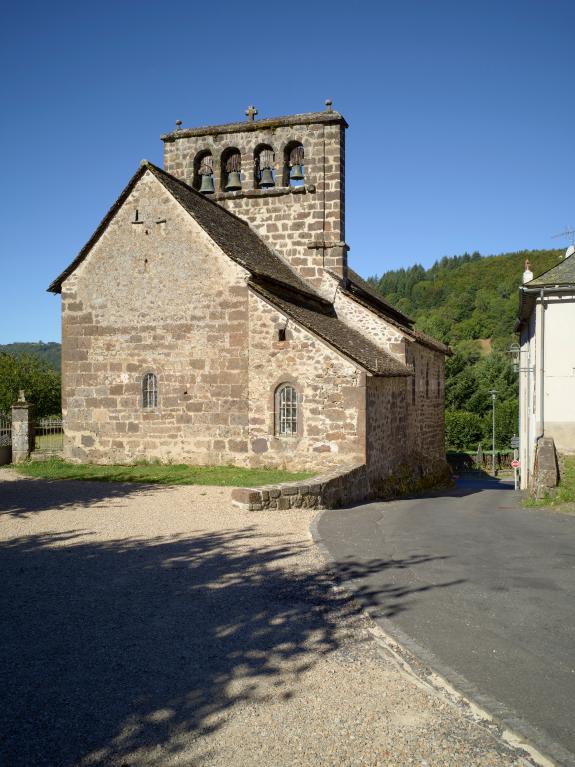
230 232
324 322
253 125
243 244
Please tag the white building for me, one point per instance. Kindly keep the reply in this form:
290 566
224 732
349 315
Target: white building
546 327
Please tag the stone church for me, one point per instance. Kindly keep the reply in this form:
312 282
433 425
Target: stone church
212 318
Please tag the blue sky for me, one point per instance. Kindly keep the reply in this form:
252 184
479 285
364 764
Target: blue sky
462 119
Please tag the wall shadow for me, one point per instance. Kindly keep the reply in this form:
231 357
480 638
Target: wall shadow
465 485
121 652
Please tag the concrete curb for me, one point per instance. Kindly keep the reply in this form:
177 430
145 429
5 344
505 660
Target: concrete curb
424 668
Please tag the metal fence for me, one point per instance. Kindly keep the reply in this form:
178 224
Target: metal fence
48 435
5 438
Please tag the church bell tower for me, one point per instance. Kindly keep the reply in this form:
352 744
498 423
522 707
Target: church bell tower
285 176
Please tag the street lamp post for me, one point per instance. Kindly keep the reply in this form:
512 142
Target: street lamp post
493 393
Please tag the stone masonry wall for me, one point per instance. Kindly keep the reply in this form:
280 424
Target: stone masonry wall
382 333
155 296
426 414
422 419
405 442
341 486
389 448
289 219
331 391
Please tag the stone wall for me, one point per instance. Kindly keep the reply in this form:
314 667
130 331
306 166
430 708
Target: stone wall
342 486
295 221
384 334
404 441
155 296
162 298
331 391
426 395
413 407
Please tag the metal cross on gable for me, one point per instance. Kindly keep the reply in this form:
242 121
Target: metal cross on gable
251 113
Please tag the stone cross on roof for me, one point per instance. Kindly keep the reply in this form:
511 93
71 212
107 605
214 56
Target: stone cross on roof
251 113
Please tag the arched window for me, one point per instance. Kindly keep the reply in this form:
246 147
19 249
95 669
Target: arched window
293 172
204 172
286 411
149 391
231 174
264 166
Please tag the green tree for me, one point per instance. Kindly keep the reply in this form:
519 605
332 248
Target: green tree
41 383
506 424
463 430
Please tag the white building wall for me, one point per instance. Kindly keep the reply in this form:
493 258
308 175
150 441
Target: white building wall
558 416
559 402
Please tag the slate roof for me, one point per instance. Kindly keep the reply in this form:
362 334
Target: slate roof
358 287
321 319
561 274
362 292
232 234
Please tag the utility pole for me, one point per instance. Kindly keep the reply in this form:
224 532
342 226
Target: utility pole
493 393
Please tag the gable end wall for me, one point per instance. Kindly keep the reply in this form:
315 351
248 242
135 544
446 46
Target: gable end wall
161 298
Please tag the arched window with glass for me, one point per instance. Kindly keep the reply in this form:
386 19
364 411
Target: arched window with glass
287 410
149 391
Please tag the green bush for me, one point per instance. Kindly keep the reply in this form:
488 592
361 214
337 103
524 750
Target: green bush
40 383
462 429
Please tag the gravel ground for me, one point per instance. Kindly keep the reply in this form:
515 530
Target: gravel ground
151 627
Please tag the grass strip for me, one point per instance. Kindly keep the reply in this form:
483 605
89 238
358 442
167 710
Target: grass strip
161 474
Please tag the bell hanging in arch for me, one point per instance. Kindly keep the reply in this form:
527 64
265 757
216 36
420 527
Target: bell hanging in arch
296 172
207 186
267 179
234 181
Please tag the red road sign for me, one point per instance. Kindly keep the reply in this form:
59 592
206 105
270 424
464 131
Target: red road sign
515 464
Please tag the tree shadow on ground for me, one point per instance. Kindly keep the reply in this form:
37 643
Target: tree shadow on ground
123 652
21 497
386 600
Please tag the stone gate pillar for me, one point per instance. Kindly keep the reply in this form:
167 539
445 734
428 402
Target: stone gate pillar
22 429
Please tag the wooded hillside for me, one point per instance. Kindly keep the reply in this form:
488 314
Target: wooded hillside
471 303
46 352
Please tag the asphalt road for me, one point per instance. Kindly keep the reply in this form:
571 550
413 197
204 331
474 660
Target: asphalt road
479 589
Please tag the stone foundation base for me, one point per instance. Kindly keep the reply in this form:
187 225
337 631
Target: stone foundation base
339 487
342 487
